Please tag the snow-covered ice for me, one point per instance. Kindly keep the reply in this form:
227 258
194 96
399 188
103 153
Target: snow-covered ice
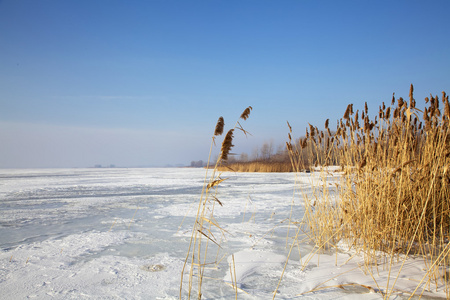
124 234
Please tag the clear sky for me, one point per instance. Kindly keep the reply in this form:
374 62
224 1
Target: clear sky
136 83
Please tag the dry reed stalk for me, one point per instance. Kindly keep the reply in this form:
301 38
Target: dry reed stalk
132 219
205 229
234 272
114 223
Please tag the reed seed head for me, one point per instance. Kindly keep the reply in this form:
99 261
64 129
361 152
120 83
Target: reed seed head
411 91
289 146
348 112
312 130
412 102
246 113
447 108
400 102
366 124
219 127
227 145
396 113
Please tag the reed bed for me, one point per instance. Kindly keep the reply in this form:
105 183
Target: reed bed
257 166
394 196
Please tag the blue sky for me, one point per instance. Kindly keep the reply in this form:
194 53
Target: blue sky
136 83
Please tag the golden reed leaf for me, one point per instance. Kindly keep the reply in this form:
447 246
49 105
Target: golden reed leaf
214 183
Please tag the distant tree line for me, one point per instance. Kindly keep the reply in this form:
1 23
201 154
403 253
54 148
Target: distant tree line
309 154
267 152
198 164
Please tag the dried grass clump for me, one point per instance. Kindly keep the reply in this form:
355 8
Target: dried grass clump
394 197
204 247
257 166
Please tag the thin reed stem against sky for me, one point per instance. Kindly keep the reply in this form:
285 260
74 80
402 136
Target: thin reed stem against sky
136 83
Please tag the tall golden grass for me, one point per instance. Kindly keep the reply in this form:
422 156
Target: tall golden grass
257 166
204 247
394 197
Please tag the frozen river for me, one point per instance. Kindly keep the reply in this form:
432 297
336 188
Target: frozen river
124 234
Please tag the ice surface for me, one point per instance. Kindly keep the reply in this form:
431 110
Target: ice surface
124 234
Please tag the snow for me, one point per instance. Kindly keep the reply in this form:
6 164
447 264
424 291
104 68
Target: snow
124 234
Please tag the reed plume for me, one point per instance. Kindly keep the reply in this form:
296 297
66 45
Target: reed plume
219 127
348 112
246 113
400 102
412 101
446 105
227 145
